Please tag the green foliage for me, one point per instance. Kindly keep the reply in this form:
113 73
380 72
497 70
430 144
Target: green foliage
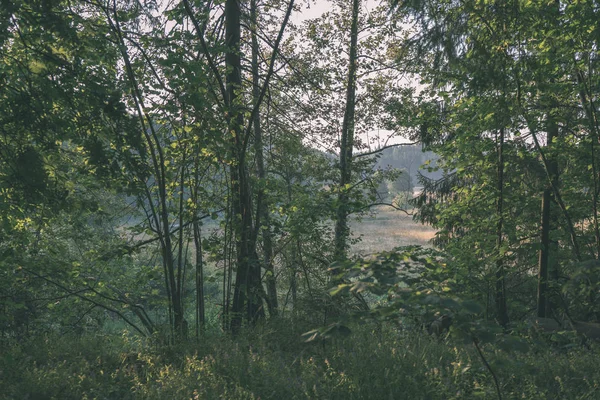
411 287
524 69
117 145
411 279
273 363
583 289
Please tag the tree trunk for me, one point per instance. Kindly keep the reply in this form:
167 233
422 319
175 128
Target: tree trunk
263 219
548 249
200 308
293 266
159 214
590 111
247 301
501 309
347 143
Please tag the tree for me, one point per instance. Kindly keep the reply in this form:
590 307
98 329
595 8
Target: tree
262 207
61 100
347 141
494 78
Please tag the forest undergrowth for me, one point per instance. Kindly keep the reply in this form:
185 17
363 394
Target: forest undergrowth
273 362
371 360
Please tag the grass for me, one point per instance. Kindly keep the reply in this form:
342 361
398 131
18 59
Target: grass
272 362
388 228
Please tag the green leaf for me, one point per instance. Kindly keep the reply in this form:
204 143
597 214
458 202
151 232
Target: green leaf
343 288
472 307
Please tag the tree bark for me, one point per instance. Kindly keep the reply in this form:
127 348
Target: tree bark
247 301
200 308
548 249
263 222
590 112
347 143
501 308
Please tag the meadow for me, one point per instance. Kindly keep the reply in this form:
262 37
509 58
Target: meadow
386 228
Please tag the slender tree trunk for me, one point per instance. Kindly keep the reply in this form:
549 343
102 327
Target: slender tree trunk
542 290
197 231
247 300
200 307
227 260
548 249
181 326
293 266
347 143
263 222
590 112
160 214
501 308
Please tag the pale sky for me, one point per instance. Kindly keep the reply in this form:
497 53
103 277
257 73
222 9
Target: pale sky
315 10
318 7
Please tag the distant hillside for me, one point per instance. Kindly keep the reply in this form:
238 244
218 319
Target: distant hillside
410 159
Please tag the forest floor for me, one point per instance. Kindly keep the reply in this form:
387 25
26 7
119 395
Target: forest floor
273 362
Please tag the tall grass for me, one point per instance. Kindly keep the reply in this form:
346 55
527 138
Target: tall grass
387 228
272 362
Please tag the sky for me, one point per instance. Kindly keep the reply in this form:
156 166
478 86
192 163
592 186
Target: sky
318 7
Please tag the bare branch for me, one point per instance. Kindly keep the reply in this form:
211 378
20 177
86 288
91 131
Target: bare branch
200 33
269 73
385 204
389 146
88 299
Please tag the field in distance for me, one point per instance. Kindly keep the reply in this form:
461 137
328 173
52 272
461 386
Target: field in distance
388 228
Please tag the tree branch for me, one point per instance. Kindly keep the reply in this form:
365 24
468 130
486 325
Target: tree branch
200 34
370 153
384 204
263 91
77 294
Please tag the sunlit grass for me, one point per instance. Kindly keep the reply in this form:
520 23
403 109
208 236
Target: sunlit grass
272 362
388 228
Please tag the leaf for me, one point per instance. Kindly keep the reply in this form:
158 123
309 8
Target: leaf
311 336
472 307
343 288
449 303
512 343
342 330
359 287
431 299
